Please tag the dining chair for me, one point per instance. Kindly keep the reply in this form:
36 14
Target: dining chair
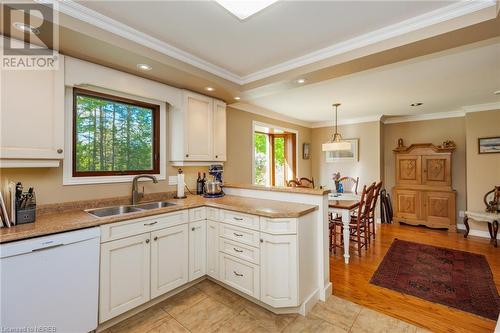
293 183
302 182
371 217
358 227
349 184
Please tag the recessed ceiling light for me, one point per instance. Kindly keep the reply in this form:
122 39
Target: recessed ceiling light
237 98
244 9
25 28
416 104
144 67
301 81
497 92
209 89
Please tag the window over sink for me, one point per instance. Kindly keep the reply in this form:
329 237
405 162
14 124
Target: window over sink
114 135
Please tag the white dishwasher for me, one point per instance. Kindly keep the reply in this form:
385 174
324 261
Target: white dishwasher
50 283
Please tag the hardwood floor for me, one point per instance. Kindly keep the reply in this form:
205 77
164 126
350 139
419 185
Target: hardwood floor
351 281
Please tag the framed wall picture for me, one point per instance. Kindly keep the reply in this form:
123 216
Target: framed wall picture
306 151
344 155
489 145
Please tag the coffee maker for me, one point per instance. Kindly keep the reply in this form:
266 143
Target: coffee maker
213 188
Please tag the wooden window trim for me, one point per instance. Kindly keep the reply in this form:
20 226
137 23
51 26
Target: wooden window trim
290 142
156 134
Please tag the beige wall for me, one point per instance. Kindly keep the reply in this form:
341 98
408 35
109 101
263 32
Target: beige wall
368 168
429 131
238 168
483 170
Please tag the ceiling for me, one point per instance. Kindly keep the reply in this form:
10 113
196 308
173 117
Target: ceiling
444 81
281 32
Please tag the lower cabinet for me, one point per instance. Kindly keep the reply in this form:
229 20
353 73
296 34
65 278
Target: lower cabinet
213 249
239 274
197 249
124 276
169 259
279 270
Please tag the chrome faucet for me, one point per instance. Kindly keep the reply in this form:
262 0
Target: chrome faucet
136 195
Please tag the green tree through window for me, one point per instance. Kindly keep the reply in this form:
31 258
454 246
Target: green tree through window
113 136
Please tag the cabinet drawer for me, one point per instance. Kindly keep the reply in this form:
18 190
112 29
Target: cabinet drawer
278 226
242 235
213 214
197 214
239 274
239 250
138 226
240 219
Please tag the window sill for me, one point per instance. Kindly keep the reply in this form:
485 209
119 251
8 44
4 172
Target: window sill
103 179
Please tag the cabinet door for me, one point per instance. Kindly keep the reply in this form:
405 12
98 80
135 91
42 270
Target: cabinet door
408 169
169 259
125 275
440 208
279 270
213 249
219 131
407 204
197 249
199 127
32 105
436 170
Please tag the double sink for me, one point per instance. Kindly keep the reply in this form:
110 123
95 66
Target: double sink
125 209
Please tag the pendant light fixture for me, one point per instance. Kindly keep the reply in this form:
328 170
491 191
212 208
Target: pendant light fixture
336 143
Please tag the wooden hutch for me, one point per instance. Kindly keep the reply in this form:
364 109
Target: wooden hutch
423 194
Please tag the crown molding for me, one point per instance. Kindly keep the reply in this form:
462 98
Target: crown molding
481 107
350 121
420 117
415 23
455 10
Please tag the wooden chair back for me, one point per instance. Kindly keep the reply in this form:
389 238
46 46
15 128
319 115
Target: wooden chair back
293 183
302 182
376 194
349 184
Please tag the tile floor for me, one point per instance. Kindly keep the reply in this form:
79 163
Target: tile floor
207 307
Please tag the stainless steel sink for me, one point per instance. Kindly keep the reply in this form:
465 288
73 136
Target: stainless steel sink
119 210
155 205
116 210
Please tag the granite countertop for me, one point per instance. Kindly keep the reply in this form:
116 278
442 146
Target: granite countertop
300 190
71 216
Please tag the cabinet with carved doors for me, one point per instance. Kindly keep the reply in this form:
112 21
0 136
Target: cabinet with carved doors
423 194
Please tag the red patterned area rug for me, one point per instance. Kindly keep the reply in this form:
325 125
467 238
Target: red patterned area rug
459 279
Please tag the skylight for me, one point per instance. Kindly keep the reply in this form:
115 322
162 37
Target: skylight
245 8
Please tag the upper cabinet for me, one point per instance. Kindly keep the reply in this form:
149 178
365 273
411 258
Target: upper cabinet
32 119
198 130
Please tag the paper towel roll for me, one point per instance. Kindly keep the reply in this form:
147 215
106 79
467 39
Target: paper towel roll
180 185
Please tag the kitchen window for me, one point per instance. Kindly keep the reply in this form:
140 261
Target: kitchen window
114 135
274 156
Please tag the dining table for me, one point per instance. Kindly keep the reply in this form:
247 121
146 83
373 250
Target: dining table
343 204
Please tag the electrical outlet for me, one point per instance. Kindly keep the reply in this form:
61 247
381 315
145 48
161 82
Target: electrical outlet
172 180
461 213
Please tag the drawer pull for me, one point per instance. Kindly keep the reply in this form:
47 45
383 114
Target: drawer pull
237 250
152 223
238 218
193 229
237 235
237 274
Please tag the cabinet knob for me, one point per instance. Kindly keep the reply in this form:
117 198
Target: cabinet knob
59 151
261 240
156 238
187 155
147 241
216 156
192 229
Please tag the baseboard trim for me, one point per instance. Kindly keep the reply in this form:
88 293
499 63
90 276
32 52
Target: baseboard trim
309 303
475 232
326 292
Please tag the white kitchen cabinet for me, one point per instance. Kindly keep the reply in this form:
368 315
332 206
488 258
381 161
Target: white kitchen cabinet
213 249
169 259
32 120
124 276
219 130
197 249
198 131
239 274
279 270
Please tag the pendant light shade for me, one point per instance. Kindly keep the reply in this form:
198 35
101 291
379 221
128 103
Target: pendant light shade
336 143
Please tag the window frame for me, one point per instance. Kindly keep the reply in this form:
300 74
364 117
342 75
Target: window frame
113 98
